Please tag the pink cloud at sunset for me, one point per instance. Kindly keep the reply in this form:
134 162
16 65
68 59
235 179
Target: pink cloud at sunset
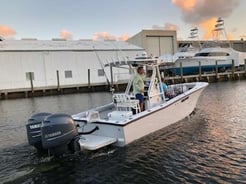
66 34
6 31
108 36
123 37
167 26
203 13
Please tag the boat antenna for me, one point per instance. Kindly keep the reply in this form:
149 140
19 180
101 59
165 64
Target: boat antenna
101 64
118 49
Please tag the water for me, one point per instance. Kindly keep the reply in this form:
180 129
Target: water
209 147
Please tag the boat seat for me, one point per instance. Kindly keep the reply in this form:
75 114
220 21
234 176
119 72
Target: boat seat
123 102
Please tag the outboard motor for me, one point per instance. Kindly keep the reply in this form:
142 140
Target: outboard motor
33 129
59 134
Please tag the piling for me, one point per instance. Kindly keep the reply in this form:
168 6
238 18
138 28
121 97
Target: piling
6 95
181 72
233 69
245 66
31 81
200 71
89 78
216 69
58 80
111 77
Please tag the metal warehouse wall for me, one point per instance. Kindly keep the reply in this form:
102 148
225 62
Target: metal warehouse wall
72 66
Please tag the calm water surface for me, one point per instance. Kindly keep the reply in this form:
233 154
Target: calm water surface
209 147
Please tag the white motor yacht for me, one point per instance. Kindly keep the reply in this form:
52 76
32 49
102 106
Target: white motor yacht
212 54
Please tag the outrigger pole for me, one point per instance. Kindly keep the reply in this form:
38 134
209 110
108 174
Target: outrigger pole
102 66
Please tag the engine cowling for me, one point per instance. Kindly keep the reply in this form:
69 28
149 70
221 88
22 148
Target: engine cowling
33 128
59 134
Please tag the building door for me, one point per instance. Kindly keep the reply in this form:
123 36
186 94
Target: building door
159 45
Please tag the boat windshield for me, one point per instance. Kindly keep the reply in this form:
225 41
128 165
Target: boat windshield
212 54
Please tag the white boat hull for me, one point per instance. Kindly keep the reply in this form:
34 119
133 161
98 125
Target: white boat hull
161 118
147 122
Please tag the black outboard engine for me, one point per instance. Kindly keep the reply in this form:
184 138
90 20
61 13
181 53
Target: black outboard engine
59 134
33 129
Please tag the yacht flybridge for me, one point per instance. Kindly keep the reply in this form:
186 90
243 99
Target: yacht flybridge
119 122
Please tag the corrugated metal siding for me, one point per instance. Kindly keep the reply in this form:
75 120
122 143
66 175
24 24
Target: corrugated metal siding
44 64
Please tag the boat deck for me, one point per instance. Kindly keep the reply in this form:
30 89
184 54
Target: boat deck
94 142
121 112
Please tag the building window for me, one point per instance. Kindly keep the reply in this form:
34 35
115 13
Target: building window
68 74
100 72
29 76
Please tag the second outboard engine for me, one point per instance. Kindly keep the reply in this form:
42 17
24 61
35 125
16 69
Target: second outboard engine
59 134
33 129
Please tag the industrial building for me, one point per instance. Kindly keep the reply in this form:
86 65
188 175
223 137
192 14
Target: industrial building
156 42
37 64
31 64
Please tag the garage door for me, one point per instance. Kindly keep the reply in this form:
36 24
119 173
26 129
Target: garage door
156 45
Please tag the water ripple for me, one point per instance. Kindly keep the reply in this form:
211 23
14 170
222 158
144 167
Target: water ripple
209 147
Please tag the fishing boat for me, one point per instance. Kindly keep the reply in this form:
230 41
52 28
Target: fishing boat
213 54
186 50
207 60
120 122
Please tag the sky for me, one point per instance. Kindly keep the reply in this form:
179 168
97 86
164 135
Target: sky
117 19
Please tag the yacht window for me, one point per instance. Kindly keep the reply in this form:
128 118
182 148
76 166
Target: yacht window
219 54
202 54
212 54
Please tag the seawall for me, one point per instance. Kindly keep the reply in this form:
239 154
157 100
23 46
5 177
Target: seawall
120 86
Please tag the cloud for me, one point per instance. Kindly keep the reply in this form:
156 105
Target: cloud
186 5
6 31
123 37
167 26
230 36
108 36
196 11
208 27
103 36
204 12
66 34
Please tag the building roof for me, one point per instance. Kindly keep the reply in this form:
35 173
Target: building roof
64 45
